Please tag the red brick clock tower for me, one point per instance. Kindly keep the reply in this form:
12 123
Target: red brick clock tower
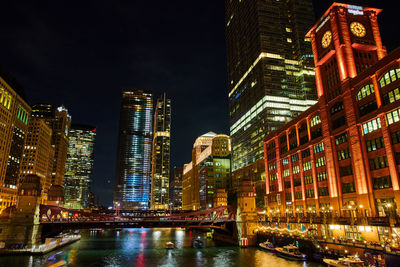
345 42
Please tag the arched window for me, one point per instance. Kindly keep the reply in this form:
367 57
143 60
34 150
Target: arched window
389 77
365 91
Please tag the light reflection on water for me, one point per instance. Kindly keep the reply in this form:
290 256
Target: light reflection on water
146 247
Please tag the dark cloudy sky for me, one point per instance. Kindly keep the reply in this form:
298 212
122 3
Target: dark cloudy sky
83 53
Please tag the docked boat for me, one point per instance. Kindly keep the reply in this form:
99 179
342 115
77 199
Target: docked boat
351 261
268 246
169 245
209 235
291 252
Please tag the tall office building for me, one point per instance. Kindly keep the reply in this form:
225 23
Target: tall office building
133 167
79 166
161 154
38 155
270 72
175 188
60 122
14 119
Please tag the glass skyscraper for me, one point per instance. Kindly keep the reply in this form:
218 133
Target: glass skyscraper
133 167
161 154
79 166
270 70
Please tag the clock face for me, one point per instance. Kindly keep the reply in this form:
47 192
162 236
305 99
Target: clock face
326 39
357 29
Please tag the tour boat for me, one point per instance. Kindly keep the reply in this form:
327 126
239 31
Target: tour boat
169 245
350 261
291 252
268 246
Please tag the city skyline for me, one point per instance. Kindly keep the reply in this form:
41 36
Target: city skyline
38 50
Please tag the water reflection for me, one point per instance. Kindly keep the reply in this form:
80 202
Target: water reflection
146 247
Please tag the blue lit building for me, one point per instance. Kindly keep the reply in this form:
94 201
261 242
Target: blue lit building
133 169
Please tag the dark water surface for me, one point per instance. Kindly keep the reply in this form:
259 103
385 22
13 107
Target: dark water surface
146 247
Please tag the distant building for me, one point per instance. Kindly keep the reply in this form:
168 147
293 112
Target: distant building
14 119
175 188
38 154
270 74
209 170
161 154
133 166
79 166
60 122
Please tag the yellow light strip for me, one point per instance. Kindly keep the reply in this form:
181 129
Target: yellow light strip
162 134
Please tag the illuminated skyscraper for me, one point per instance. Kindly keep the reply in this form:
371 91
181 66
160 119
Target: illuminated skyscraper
133 168
14 119
161 153
60 122
270 72
79 166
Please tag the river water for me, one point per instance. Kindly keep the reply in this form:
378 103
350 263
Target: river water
146 247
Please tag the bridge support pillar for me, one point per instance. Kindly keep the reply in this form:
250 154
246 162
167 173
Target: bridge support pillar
22 229
246 218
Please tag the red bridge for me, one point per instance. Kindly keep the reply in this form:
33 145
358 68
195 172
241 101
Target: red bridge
56 219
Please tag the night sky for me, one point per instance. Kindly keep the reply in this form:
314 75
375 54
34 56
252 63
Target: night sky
83 53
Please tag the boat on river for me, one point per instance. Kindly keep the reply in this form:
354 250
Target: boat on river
169 245
268 246
350 261
291 252
198 243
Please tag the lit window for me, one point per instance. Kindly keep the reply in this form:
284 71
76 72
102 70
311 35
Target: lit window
315 120
393 116
289 40
365 91
389 77
371 126
391 96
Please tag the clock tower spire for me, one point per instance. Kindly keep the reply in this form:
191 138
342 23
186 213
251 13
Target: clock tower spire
345 42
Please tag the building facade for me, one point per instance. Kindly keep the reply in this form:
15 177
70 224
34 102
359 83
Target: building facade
161 154
38 156
79 166
133 167
175 188
208 171
341 156
14 119
60 122
270 75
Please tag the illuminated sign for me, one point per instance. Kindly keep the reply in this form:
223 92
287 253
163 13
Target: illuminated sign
355 10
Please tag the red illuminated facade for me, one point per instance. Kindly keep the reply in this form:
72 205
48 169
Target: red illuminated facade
342 155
